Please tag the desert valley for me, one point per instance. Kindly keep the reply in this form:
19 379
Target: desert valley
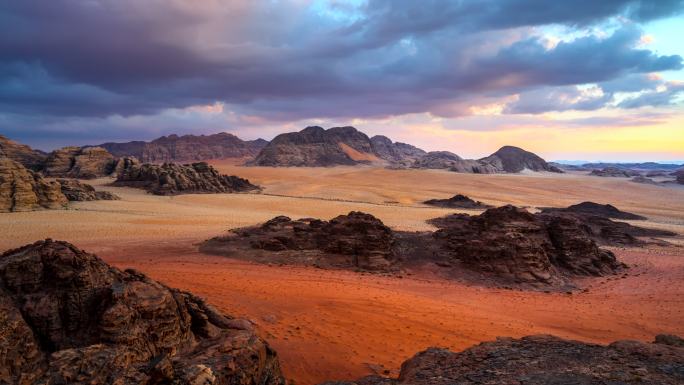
341 192
387 263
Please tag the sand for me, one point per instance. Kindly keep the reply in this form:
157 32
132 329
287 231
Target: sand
337 324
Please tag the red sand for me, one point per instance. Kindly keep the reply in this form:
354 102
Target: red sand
329 325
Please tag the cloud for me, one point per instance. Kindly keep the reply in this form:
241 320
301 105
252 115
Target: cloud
79 60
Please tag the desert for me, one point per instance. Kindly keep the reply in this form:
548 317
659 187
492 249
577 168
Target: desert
340 325
341 192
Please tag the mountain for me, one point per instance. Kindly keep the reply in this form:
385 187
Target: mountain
79 162
24 190
30 158
634 166
317 147
512 159
187 148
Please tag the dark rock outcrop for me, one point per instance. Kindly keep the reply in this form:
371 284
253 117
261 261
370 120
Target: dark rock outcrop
679 175
79 162
542 360
437 160
66 317
513 159
188 148
457 201
607 210
25 155
356 240
512 245
174 179
614 172
24 190
643 180
75 190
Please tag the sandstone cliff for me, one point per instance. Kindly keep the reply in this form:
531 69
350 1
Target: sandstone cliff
79 162
24 190
28 157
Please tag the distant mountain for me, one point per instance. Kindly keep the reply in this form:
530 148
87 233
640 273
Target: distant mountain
512 159
187 148
634 166
317 147
25 155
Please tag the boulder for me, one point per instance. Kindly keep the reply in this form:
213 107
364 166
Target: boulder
541 360
69 318
174 179
24 190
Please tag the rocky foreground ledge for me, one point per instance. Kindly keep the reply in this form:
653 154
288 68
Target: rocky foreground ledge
543 360
66 317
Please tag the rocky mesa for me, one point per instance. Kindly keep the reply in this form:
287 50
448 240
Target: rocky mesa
79 162
67 317
24 190
25 155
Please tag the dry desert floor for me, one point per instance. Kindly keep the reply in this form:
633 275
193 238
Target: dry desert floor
338 325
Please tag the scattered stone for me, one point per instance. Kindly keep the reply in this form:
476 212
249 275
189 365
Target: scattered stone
607 210
457 201
68 317
24 190
174 179
540 359
75 190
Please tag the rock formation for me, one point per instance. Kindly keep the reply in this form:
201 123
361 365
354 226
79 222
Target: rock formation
79 162
614 172
173 179
25 155
513 159
75 190
66 317
317 147
457 201
437 160
679 175
24 190
512 245
607 210
398 154
644 180
356 241
543 360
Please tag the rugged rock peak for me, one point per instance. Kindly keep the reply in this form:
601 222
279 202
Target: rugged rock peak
513 245
356 240
457 201
28 157
68 317
174 148
315 146
74 190
174 179
607 210
398 154
513 159
79 162
541 359
24 190
615 172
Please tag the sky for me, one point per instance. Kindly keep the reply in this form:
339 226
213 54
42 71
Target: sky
577 80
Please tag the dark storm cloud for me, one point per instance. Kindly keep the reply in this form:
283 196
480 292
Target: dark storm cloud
285 61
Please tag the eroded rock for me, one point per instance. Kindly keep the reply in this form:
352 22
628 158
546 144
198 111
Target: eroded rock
541 360
24 190
79 162
74 190
607 210
68 317
457 201
174 179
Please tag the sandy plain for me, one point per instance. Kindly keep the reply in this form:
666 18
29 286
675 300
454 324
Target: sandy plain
335 324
